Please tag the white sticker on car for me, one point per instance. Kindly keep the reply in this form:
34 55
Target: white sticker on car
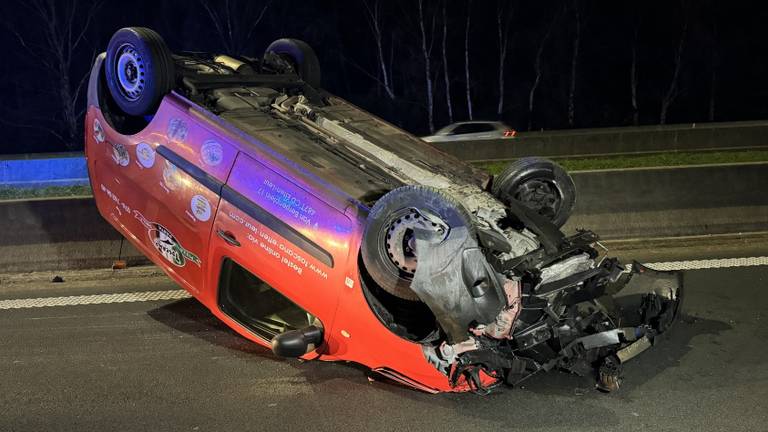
177 129
166 243
201 208
212 153
98 131
145 155
170 176
120 154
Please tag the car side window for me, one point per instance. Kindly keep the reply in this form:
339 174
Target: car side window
472 128
256 305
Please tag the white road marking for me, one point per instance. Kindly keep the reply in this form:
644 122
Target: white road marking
181 294
129 297
709 263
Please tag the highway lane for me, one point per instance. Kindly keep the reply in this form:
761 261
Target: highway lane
169 365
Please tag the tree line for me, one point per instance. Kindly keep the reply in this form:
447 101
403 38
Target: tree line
420 64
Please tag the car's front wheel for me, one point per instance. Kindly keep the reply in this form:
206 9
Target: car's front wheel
139 70
389 241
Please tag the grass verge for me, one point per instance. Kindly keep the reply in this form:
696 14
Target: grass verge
46 192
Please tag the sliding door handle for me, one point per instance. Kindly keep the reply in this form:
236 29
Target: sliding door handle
228 237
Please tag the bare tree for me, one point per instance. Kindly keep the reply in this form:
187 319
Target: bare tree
537 67
58 37
503 17
466 59
673 90
235 22
574 62
448 102
633 71
427 65
374 21
714 63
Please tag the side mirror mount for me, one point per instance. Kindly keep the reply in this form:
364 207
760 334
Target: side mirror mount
296 343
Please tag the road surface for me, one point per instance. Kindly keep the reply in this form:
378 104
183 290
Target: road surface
168 365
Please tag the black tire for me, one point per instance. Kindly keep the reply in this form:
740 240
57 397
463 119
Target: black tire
540 185
394 211
302 56
139 70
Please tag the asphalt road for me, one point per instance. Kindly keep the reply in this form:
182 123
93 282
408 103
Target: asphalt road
169 365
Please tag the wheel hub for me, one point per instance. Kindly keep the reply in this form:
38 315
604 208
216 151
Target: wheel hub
130 70
401 239
541 196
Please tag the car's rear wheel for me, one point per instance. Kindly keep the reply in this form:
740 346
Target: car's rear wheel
301 56
139 70
389 245
540 185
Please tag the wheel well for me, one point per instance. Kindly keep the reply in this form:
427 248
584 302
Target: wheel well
121 122
411 320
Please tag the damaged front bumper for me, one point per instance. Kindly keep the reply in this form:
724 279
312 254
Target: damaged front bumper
642 304
589 327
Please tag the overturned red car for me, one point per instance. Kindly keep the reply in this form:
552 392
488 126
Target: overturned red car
320 231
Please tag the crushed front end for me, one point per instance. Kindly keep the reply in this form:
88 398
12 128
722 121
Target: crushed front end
560 306
476 269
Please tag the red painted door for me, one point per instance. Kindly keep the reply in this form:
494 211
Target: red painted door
284 235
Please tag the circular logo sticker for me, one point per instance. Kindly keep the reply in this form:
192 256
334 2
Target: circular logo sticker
98 132
170 178
166 243
177 129
120 154
170 248
212 153
201 208
145 154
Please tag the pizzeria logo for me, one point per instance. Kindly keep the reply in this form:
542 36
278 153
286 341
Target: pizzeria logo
166 244
177 129
145 154
171 176
212 153
98 131
120 154
201 208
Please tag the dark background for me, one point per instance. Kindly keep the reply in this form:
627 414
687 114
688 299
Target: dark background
704 60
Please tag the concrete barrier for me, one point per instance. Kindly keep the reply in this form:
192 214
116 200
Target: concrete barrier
51 234
42 170
614 141
674 201
57 234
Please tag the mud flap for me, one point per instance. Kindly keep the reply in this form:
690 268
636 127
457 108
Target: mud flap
454 279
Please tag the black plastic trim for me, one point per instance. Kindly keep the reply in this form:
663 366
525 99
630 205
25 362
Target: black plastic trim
275 224
207 180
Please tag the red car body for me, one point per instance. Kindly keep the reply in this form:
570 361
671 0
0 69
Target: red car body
314 228
305 243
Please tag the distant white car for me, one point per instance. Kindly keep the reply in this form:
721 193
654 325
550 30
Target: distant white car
472 130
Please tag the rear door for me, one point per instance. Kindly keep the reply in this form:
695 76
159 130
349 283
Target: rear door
285 236
166 183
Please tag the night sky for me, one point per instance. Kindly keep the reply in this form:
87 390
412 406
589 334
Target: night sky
716 51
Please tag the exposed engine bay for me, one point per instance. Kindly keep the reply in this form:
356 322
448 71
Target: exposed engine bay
474 269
